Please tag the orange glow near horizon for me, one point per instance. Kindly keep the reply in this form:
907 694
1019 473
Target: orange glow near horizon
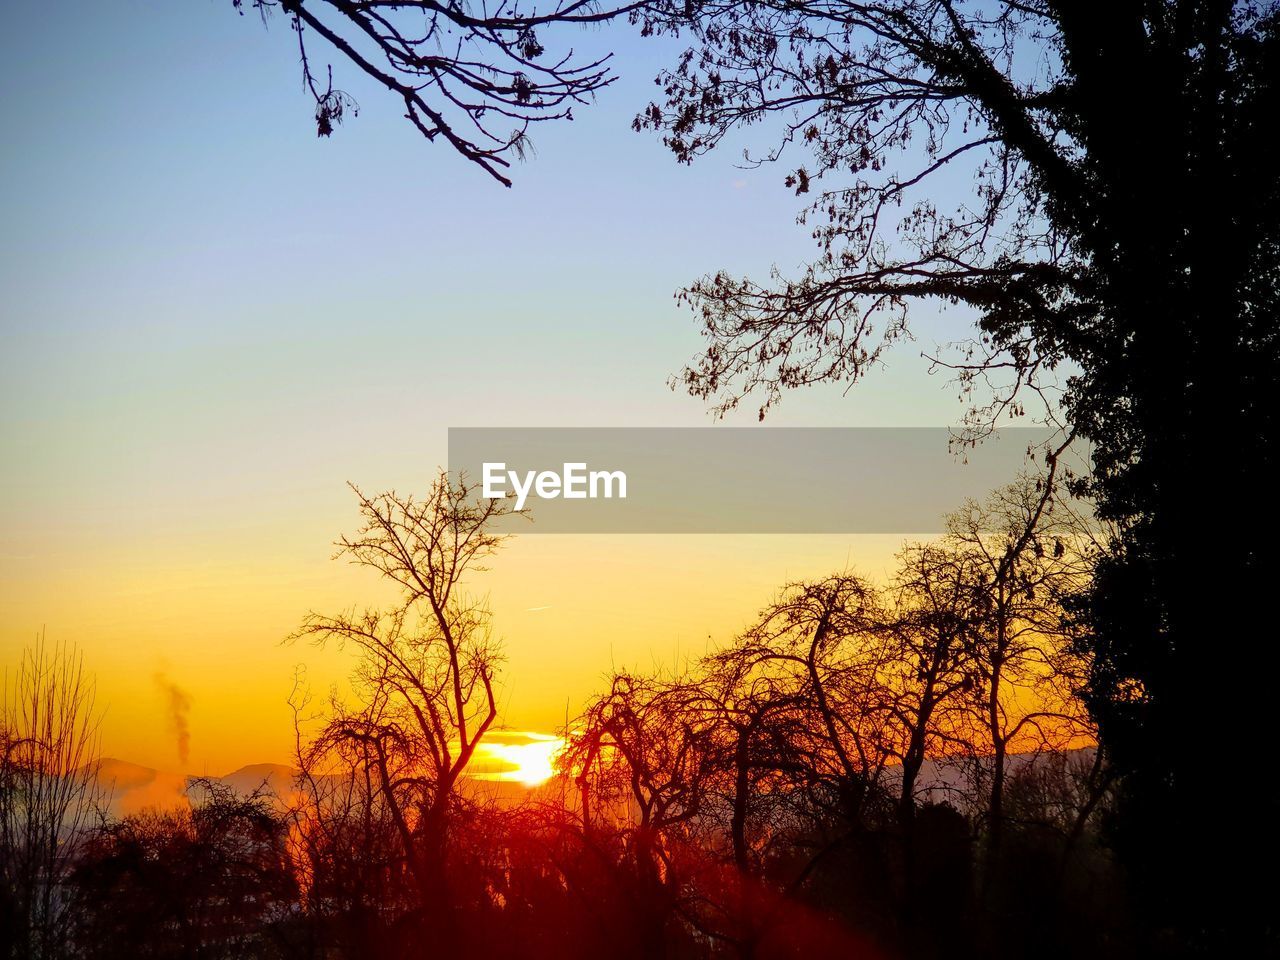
208 613
521 757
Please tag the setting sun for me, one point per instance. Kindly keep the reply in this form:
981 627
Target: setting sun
519 757
845 546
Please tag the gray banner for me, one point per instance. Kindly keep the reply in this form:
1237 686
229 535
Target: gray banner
737 479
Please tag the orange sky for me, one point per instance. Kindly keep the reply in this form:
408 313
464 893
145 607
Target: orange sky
208 331
207 613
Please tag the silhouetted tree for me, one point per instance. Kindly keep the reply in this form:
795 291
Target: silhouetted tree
778 797
827 641
641 759
1117 236
1029 553
345 847
1120 226
759 723
799 754
210 880
476 78
811 754
424 680
49 795
940 596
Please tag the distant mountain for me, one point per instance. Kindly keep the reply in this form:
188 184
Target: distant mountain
129 788
274 778
952 781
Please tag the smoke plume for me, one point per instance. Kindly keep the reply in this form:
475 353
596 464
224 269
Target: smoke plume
178 704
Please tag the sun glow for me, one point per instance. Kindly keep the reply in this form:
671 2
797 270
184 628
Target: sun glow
519 757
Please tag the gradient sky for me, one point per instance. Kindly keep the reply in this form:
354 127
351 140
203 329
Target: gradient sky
212 321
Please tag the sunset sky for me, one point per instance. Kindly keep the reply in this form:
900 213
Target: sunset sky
212 321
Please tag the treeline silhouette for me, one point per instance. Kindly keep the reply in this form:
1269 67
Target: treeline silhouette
879 770
1095 187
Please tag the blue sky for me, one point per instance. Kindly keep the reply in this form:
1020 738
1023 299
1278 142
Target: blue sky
212 320
176 230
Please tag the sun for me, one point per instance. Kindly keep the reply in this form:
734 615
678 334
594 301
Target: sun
521 757
535 762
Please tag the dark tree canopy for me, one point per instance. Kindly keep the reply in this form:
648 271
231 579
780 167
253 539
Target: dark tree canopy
1073 137
1117 239
1118 244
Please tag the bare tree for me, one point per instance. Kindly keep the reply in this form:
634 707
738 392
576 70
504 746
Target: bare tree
49 793
1031 552
209 880
345 848
760 749
476 77
939 595
828 639
639 751
425 671
642 758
